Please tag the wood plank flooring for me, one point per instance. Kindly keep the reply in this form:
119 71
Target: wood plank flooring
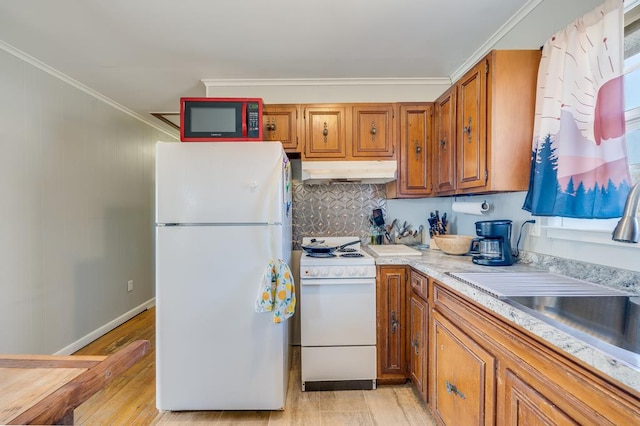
130 399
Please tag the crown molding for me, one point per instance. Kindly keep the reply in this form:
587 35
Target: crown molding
495 38
326 82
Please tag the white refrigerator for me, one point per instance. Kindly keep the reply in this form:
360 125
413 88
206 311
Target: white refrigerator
223 212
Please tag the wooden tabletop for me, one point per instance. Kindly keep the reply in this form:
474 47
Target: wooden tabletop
45 389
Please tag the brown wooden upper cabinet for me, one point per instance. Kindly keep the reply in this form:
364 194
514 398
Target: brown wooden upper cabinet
280 123
325 131
444 146
414 151
373 131
349 131
493 115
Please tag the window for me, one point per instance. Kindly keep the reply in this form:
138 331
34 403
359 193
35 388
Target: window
632 115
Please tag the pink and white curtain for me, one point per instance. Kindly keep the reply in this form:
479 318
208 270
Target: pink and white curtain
579 162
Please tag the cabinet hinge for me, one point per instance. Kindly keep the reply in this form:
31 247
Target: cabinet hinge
486 67
486 176
406 276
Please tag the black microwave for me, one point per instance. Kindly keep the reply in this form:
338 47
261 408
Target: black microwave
220 119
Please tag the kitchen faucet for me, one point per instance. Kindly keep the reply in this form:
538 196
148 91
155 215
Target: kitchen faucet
627 229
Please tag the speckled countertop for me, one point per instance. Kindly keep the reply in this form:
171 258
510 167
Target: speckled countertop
436 264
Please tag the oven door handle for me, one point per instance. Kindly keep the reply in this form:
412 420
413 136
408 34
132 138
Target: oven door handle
337 281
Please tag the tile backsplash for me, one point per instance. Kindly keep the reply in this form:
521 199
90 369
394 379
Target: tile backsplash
337 209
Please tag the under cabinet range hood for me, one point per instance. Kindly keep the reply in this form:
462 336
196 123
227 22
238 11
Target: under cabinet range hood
319 172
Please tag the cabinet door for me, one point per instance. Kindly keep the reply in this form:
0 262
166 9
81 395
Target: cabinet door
464 376
524 405
325 132
391 327
471 135
415 150
444 154
373 131
280 123
418 342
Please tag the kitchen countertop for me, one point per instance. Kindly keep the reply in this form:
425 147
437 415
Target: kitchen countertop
436 264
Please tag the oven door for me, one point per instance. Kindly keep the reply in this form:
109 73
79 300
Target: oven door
338 312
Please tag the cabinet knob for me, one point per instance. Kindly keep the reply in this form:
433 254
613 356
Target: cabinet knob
373 131
416 344
467 130
271 127
325 132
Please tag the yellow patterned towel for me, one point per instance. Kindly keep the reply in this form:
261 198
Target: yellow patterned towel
277 291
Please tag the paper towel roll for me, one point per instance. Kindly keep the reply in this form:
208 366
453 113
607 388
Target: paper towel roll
470 208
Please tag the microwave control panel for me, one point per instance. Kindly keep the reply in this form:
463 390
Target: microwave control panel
253 120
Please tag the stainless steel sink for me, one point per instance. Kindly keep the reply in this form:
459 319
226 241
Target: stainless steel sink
601 316
611 323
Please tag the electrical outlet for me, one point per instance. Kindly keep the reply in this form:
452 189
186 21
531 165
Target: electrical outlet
130 285
534 231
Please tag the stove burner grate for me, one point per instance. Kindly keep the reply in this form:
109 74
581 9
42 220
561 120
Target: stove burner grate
321 255
352 255
347 250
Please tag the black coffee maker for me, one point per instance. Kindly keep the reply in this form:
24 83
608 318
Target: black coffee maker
494 246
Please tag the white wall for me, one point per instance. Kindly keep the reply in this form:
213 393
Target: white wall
76 211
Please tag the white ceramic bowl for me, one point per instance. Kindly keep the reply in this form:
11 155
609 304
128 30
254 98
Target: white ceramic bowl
454 244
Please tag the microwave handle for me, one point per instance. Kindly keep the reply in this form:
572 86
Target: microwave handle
244 119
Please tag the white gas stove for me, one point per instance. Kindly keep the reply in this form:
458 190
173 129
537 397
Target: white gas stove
338 317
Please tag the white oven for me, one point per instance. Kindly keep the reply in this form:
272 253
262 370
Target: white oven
338 318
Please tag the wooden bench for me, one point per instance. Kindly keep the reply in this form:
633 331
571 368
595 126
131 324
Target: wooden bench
45 389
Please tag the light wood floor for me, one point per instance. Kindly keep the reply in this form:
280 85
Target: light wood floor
130 398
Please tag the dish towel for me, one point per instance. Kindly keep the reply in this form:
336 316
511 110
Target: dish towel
277 291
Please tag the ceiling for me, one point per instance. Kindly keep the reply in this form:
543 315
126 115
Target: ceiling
146 54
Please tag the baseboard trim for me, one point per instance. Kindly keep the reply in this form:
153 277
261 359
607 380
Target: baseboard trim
84 341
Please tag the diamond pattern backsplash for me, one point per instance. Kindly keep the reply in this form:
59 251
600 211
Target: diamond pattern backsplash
334 210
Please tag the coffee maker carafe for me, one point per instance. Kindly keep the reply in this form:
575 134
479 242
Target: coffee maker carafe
494 244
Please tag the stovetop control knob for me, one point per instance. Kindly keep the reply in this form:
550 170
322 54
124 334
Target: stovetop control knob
338 272
312 272
352 272
324 272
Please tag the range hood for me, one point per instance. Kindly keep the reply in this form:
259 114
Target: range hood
318 172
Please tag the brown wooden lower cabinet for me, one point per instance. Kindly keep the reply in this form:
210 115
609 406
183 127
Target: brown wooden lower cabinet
510 377
391 327
473 367
418 338
524 405
463 376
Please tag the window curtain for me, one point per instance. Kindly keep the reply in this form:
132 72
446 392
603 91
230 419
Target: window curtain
579 164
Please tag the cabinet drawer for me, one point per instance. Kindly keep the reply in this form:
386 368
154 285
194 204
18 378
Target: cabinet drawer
419 284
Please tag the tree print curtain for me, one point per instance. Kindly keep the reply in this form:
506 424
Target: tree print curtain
579 160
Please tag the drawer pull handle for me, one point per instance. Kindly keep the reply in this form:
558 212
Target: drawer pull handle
394 323
467 130
443 142
453 389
